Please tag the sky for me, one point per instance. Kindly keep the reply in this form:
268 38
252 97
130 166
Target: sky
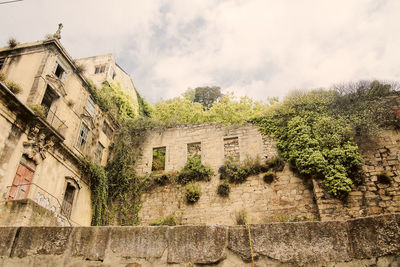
258 48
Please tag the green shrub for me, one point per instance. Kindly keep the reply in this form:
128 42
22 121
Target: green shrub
233 172
254 165
276 163
38 110
14 87
242 217
223 189
193 193
269 177
170 220
2 77
12 42
384 178
194 170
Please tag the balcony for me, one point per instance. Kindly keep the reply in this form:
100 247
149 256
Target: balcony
56 122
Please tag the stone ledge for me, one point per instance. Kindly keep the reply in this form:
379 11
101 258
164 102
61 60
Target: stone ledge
289 243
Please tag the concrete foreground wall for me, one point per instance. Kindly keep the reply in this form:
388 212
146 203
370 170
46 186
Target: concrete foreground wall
370 241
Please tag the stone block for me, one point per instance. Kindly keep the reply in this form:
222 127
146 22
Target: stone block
33 241
197 244
293 242
7 235
138 241
375 236
90 242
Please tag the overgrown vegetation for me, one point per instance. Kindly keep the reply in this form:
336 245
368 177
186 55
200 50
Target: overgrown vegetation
38 110
170 220
269 177
12 42
194 170
192 193
224 189
315 130
237 173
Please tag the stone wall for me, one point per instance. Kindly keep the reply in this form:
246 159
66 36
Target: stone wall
263 202
286 196
371 241
372 197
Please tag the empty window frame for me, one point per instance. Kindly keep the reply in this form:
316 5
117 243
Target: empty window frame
83 135
2 60
231 149
193 150
60 71
99 153
90 106
107 130
158 163
100 69
49 97
69 194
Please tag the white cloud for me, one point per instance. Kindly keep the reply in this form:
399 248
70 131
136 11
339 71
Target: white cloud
260 48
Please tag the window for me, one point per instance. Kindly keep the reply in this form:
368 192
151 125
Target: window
193 150
66 207
99 153
2 60
112 73
49 97
83 134
60 71
158 159
22 180
231 149
100 69
90 106
107 130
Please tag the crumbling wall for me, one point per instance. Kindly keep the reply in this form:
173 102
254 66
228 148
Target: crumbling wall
371 241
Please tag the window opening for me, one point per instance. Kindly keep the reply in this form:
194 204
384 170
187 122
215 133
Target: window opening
158 159
194 149
99 153
90 106
107 130
60 71
100 69
112 73
49 97
231 148
2 60
83 134
66 207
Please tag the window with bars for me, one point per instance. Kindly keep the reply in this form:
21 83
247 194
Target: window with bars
90 106
83 135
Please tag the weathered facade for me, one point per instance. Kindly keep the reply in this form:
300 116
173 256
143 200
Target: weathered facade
41 152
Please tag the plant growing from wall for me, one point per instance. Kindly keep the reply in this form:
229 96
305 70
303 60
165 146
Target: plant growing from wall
237 173
170 220
276 163
14 87
224 189
384 178
242 217
12 42
38 110
192 193
194 170
269 177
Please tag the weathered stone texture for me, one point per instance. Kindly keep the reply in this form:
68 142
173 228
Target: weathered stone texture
370 241
199 244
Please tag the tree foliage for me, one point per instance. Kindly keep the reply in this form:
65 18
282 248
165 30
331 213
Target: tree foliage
207 96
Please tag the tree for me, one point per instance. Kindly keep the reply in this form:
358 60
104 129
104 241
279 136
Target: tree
207 95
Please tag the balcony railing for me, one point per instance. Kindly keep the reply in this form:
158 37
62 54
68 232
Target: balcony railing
56 122
47 201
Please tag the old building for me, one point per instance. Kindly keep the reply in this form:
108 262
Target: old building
46 129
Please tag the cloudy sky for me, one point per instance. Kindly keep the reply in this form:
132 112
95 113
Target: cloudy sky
258 48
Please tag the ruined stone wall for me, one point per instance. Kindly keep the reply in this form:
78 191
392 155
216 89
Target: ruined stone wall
286 196
373 196
371 241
